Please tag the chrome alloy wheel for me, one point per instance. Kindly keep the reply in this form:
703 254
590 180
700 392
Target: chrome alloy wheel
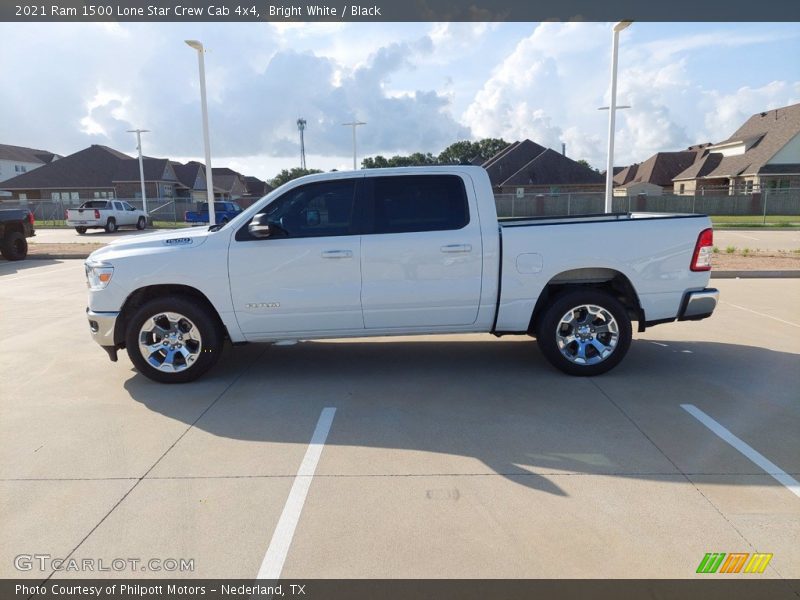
170 342
587 334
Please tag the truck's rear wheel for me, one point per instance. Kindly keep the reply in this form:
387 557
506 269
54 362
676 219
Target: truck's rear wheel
172 340
14 246
111 225
585 332
141 223
80 230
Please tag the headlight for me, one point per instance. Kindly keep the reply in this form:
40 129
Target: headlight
98 274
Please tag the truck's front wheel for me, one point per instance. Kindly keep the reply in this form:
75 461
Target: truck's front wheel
173 340
585 332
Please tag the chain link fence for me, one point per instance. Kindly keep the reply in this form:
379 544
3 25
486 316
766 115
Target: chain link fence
784 201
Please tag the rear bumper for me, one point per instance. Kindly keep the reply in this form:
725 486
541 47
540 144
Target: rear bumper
698 304
102 326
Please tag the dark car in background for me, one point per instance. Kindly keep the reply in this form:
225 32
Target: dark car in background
16 225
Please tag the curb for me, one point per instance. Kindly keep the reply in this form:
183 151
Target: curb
82 256
789 274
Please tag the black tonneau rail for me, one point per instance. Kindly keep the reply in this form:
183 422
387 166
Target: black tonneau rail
591 218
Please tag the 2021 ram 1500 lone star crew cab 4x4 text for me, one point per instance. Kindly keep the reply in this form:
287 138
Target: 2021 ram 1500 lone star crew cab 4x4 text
396 252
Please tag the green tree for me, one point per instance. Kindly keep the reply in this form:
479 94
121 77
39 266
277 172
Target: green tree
587 165
289 174
490 146
463 151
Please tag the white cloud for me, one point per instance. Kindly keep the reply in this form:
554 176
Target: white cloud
726 112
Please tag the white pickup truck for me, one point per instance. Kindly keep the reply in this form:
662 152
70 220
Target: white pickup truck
396 252
105 214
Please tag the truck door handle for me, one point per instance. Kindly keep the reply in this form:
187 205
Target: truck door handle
337 254
456 248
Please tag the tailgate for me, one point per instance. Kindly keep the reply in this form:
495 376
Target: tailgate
82 216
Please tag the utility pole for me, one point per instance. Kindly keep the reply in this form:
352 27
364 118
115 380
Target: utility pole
201 63
139 133
354 124
301 127
612 113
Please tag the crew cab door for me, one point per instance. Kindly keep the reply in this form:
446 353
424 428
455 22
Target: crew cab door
305 277
421 256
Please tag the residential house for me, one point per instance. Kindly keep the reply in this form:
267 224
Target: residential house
653 177
15 160
526 167
192 177
95 172
763 154
228 184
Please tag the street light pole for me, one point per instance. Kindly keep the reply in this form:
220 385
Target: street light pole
139 133
354 124
204 107
612 112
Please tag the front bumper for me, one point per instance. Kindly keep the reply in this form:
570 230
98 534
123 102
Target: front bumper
103 325
698 304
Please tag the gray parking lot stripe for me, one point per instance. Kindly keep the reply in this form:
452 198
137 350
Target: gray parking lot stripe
759 459
272 564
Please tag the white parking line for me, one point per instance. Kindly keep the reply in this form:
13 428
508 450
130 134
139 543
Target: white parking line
749 237
272 564
755 312
26 275
759 459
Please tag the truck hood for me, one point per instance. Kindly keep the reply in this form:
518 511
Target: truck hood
159 241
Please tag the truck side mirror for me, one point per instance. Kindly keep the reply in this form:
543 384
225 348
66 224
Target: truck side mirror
259 227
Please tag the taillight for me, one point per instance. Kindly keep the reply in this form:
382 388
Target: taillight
31 219
701 260
96 214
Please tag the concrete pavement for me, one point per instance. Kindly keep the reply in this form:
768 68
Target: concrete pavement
448 456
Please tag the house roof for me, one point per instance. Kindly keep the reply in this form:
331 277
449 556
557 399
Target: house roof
510 160
190 174
763 135
553 168
155 169
659 169
256 187
92 167
23 154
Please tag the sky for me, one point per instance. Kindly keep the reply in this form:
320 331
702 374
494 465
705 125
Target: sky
418 86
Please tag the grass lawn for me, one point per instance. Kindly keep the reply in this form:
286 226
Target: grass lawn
757 221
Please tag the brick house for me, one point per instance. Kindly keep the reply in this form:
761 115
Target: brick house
763 154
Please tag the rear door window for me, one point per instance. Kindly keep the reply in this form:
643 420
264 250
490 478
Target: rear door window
411 203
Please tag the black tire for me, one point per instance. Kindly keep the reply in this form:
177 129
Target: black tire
208 328
80 230
14 246
550 329
141 223
111 225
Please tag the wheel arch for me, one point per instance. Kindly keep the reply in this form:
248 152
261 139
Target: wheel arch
144 294
605 279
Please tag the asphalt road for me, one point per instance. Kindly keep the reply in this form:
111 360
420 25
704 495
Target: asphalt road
446 456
